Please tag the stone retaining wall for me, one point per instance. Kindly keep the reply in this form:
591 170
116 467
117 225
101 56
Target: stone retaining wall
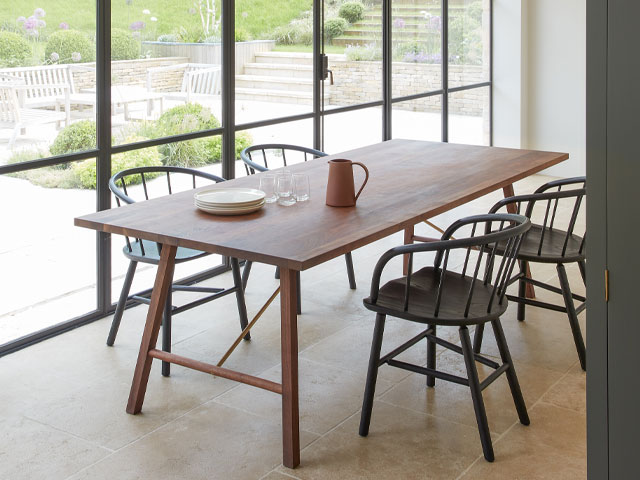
361 81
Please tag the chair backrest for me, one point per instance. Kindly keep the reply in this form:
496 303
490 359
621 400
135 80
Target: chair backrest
43 81
546 206
263 157
201 79
177 179
478 237
9 108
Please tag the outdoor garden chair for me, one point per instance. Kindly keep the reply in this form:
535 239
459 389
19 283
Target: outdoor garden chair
552 241
441 296
262 158
145 251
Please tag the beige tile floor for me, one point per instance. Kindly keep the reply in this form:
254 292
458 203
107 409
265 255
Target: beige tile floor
62 401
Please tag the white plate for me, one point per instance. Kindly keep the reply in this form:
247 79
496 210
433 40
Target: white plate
231 211
229 207
229 196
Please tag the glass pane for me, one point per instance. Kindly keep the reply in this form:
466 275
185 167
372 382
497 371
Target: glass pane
469 45
48 264
166 68
353 42
274 59
191 153
345 131
292 133
469 116
47 57
418 119
417 47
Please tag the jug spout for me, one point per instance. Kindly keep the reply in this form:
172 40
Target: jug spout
340 187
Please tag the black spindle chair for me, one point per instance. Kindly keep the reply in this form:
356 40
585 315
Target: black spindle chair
137 250
262 158
553 240
440 296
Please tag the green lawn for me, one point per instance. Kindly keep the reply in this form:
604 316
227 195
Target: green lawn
257 17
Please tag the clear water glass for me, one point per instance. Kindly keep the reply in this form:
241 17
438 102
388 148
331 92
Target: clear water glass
284 189
268 186
301 188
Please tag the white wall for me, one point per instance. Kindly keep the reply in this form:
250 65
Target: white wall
540 78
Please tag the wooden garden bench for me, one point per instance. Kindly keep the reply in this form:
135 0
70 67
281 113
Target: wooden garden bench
198 79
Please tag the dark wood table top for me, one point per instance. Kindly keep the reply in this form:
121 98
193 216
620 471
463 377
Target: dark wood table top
410 181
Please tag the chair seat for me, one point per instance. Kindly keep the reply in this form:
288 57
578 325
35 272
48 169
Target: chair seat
551 248
422 299
152 255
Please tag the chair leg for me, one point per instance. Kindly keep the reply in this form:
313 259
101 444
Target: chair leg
476 394
431 358
245 273
352 276
122 302
522 289
573 317
372 375
514 385
477 338
166 333
583 271
299 294
242 306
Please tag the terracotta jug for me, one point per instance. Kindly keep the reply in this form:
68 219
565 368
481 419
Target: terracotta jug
340 189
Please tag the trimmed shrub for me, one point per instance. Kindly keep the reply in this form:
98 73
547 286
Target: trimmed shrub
351 11
70 46
76 137
84 172
298 32
189 117
241 35
15 51
123 45
334 27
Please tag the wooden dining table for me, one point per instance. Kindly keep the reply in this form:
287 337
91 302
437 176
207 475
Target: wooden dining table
410 181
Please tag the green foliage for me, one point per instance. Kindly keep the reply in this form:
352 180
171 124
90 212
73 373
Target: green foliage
367 52
297 32
67 44
84 173
191 34
123 45
14 50
351 11
168 37
334 27
242 35
189 117
465 36
76 137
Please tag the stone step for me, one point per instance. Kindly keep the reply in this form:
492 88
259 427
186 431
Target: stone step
279 70
269 82
296 58
276 96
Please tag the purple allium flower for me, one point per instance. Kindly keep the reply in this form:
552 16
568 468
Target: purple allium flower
41 23
399 23
39 13
31 23
135 26
76 57
21 19
54 57
63 26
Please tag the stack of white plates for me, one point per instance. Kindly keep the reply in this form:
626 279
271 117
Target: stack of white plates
230 201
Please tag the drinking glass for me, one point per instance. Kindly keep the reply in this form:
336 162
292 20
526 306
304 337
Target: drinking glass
301 188
268 186
284 189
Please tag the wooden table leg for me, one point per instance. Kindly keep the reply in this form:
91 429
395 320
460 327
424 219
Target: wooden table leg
508 192
408 240
289 338
151 328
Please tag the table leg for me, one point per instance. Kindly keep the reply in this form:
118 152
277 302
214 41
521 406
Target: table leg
151 328
289 351
408 240
508 192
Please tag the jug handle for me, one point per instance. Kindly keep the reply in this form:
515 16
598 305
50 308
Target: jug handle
366 178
